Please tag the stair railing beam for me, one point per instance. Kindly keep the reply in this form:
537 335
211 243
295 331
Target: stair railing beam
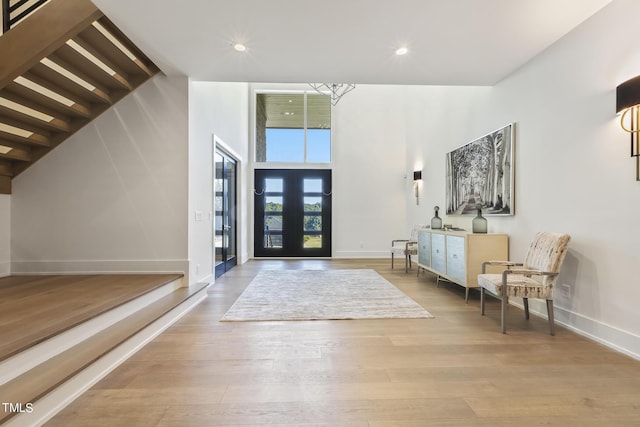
5 15
15 19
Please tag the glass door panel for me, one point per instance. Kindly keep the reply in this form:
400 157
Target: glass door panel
273 212
312 197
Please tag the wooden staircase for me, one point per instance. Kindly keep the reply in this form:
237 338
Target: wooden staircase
66 349
61 67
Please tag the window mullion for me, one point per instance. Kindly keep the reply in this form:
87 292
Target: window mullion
304 109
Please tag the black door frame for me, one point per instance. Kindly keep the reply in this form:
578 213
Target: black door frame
293 213
228 211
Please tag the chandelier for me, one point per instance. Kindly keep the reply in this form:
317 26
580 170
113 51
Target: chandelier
336 90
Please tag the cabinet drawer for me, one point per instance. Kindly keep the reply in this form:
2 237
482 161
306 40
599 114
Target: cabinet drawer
456 259
424 249
437 252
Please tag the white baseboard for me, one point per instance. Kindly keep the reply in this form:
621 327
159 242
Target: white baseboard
362 254
607 335
5 268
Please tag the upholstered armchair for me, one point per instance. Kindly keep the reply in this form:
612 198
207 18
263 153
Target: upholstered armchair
407 247
543 260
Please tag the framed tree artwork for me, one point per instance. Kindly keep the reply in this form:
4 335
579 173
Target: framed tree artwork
481 172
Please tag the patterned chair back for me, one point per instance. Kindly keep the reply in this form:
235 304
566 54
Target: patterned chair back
546 253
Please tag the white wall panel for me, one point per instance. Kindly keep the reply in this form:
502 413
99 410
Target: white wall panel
113 197
221 109
573 171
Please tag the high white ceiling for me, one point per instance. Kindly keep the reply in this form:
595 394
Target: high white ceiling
451 42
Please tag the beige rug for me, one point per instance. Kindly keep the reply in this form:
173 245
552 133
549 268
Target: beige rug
322 294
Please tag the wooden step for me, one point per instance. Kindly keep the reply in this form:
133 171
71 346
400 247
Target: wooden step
37 308
52 373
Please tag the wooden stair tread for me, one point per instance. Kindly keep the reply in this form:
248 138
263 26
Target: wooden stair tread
48 375
36 308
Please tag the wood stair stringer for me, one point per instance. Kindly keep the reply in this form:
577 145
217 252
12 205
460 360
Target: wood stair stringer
62 67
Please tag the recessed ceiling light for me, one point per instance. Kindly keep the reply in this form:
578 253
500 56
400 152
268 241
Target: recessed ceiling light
239 47
402 51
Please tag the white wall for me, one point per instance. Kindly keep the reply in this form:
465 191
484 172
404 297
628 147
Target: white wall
369 173
113 197
368 168
5 234
439 118
573 170
221 109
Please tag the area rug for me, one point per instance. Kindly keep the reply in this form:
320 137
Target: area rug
322 294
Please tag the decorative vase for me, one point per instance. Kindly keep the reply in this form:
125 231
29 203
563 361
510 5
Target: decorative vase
479 223
436 221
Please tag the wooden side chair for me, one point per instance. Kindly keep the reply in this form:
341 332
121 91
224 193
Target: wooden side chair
544 259
407 247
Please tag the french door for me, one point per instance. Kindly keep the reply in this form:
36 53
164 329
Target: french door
292 213
225 186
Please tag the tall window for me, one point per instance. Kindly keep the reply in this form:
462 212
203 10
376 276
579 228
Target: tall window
293 128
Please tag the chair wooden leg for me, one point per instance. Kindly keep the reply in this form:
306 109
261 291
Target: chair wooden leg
525 301
392 260
481 301
503 314
550 315
407 263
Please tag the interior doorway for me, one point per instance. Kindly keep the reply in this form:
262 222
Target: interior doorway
225 206
292 213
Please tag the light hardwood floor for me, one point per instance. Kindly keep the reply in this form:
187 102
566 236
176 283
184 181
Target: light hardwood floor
454 370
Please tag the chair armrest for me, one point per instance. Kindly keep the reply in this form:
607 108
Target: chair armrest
393 242
499 263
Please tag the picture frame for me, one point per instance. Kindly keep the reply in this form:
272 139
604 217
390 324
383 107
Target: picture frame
482 172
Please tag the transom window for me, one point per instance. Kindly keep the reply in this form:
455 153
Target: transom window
293 128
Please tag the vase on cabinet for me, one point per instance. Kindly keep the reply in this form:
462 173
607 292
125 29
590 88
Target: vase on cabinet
436 221
479 223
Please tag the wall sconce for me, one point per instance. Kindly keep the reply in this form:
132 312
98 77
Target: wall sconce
628 103
417 177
